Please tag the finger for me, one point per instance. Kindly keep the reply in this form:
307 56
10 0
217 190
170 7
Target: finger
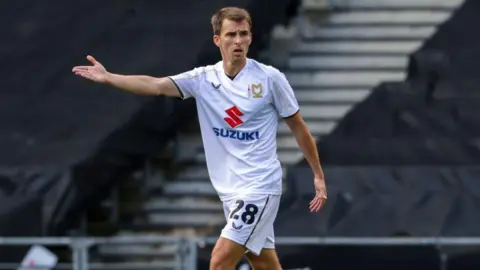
80 68
319 204
85 75
82 74
91 59
312 202
315 204
317 195
316 207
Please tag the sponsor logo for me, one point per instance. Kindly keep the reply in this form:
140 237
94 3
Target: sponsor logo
234 117
236 135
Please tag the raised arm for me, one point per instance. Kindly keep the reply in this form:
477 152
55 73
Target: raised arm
137 84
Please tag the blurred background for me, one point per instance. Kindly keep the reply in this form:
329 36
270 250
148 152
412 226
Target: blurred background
389 89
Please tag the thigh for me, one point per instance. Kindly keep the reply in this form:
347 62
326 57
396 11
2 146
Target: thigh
250 221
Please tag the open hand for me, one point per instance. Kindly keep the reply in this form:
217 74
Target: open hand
320 195
96 72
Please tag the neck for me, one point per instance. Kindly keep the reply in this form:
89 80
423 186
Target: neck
233 67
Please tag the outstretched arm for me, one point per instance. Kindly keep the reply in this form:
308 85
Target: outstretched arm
137 84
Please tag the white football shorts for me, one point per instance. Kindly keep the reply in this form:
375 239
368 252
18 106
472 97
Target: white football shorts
250 221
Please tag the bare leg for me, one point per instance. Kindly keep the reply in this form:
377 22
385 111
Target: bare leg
267 260
226 254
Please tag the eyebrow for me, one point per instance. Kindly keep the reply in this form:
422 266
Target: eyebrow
241 32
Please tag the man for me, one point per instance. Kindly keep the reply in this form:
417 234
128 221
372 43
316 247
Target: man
238 102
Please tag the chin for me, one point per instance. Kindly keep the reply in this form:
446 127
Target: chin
238 58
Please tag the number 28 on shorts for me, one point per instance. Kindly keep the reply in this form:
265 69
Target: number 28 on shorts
250 221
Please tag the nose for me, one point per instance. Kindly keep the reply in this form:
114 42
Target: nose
237 39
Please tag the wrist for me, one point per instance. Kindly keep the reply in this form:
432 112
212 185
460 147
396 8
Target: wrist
319 176
108 78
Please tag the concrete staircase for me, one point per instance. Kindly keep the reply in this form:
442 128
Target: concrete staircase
335 56
185 206
340 50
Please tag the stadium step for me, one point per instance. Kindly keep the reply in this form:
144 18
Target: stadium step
184 188
362 48
288 143
392 4
388 17
194 173
341 78
175 220
317 128
187 147
326 112
348 62
330 96
370 33
182 205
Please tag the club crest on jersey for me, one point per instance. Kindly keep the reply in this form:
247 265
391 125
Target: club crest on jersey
256 90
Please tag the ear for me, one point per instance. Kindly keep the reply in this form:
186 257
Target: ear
216 40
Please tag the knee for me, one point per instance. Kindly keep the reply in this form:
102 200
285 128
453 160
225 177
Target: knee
263 265
216 264
219 261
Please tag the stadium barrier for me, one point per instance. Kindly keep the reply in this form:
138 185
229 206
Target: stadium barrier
185 258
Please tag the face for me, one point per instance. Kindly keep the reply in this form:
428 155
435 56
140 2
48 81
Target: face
234 40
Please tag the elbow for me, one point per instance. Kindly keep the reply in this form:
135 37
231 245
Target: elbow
166 87
160 86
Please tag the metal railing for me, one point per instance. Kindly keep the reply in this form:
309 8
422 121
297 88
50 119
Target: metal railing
186 257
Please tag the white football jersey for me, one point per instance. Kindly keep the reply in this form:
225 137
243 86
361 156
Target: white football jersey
238 120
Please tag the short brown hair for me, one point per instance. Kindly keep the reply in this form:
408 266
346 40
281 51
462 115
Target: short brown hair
230 13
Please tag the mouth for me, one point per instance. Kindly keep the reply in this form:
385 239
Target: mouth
238 51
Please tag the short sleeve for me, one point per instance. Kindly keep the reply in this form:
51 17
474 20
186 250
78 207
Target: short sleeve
188 82
283 96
